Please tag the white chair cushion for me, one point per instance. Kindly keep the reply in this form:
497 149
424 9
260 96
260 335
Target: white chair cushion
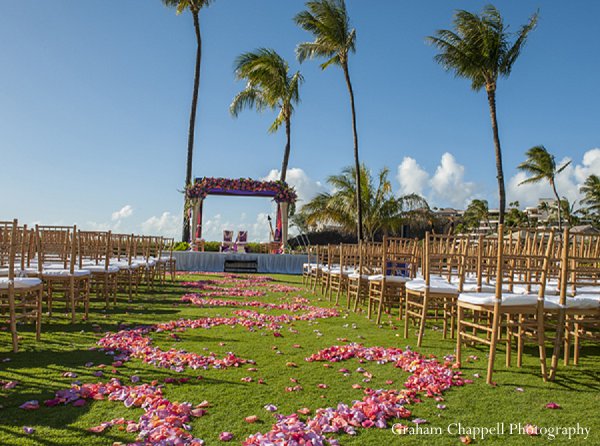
436 285
470 286
64 273
101 268
488 299
20 282
588 289
392 279
583 302
355 276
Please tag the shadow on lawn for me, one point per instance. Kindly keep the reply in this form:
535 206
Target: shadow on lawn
20 438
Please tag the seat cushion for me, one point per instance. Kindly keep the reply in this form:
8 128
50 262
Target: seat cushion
64 273
112 269
391 279
470 286
580 302
436 285
489 299
355 276
20 282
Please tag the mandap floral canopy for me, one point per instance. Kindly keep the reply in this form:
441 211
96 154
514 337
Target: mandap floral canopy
280 191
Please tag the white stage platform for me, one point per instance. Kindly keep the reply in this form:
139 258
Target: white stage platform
214 262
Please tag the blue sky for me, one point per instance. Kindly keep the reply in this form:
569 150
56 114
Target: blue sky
94 104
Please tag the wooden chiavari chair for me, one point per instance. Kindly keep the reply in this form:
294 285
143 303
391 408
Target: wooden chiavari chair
433 296
142 250
577 307
333 264
20 297
166 263
57 260
129 276
339 276
311 262
369 264
397 266
517 304
316 272
95 256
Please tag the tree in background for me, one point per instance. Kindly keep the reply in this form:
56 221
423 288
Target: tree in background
194 6
329 23
481 49
476 212
541 165
591 194
515 217
270 85
382 211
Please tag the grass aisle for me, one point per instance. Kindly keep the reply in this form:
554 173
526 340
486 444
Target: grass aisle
519 397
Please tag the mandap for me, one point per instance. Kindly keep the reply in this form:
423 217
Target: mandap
279 191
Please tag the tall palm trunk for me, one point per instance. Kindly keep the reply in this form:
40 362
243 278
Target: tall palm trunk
190 150
286 153
557 204
491 92
359 231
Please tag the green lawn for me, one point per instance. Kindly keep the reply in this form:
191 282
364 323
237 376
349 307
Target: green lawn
39 367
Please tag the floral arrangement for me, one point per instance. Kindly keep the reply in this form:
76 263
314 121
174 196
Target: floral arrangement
279 190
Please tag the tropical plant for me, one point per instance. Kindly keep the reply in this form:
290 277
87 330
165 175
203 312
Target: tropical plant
194 6
481 49
515 217
591 194
270 86
476 212
541 165
329 23
569 212
382 211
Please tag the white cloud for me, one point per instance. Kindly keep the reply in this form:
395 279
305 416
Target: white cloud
167 224
412 178
306 188
447 186
124 212
448 182
568 181
260 229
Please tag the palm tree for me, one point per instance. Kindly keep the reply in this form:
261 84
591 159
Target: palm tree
569 211
329 23
481 49
591 194
382 211
476 212
269 86
194 6
542 166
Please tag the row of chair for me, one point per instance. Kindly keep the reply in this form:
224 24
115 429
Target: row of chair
62 263
520 286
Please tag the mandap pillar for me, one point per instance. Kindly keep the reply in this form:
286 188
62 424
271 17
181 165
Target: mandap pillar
196 225
284 224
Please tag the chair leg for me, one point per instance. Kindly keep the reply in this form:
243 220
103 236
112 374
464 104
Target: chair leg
38 316
406 316
493 344
13 321
558 340
459 318
423 318
567 347
541 338
72 298
576 345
